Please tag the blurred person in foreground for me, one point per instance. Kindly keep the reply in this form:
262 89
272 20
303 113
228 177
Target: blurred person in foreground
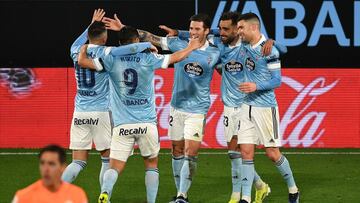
50 188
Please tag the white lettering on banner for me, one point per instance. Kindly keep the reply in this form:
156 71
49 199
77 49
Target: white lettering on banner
290 116
327 11
293 114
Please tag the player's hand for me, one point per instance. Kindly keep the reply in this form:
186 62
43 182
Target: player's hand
170 32
266 49
153 49
113 24
98 15
82 55
247 87
194 43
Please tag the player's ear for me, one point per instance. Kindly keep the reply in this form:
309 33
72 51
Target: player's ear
207 31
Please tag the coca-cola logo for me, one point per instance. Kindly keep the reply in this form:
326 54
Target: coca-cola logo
250 64
193 69
295 121
302 116
233 67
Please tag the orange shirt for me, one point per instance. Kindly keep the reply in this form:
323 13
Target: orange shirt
37 193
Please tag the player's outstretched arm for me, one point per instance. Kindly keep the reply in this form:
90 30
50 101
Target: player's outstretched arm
81 40
132 48
194 43
146 36
274 82
113 24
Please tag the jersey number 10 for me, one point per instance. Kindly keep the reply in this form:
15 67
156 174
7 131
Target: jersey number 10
85 77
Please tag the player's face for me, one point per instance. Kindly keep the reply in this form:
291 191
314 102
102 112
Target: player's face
228 31
197 30
244 30
50 168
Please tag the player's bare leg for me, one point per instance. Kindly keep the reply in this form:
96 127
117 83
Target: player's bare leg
188 169
247 170
282 164
151 178
110 178
78 164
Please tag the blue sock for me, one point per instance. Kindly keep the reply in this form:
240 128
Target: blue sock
284 168
187 174
177 163
247 178
73 170
235 158
104 167
110 177
152 184
257 181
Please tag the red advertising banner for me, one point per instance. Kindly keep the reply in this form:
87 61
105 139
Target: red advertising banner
319 108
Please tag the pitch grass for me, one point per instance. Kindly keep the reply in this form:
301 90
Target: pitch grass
322 178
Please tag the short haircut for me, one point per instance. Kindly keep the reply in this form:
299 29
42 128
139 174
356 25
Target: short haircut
250 17
233 16
201 17
127 35
96 29
55 149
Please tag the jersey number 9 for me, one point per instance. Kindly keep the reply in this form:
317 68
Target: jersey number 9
131 80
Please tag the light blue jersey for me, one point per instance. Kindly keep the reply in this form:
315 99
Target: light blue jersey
231 59
132 79
265 72
191 89
92 86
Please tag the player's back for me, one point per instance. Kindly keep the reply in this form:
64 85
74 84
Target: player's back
132 79
37 193
258 69
92 86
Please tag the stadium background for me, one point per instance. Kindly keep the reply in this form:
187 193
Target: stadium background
319 97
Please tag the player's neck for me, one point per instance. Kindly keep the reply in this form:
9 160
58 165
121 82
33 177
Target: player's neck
255 39
235 41
96 42
54 186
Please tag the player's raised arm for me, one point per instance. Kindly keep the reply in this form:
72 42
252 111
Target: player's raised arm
84 61
81 40
146 36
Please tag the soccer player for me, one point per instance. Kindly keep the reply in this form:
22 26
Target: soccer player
133 108
91 120
259 115
190 100
231 64
51 188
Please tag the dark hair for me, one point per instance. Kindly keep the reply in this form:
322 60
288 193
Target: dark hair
201 17
55 149
233 16
127 35
96 29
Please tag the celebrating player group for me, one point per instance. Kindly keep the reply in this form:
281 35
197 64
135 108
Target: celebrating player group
115 101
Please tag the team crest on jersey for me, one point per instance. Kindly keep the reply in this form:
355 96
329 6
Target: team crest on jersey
233 67
250 64
193 69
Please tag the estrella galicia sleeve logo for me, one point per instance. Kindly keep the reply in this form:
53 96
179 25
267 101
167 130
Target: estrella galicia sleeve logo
193 69
233 67
250 64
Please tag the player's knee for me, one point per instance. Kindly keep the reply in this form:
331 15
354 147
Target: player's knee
247 154
177 150
273 154
151 162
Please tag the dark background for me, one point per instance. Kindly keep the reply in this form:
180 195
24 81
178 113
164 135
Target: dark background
40 33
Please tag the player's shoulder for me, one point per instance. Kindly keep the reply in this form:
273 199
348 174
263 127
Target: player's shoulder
70 188
213 49
29 190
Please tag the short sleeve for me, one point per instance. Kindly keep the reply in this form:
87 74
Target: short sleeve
273 60
156 61
173 43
